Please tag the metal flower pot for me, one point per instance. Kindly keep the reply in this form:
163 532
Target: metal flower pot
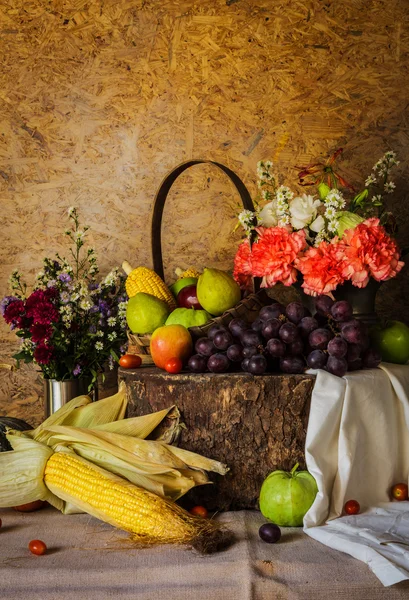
57 393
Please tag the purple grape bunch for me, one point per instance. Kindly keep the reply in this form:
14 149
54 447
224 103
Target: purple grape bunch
288 339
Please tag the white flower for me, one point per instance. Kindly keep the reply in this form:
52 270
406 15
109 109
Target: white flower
318 224
389 187
370 180
79 235
330 212
71 211
112 321
99 345
284 193
333 226
284 220
268 215
99 333
246 219
335 198
303 210
85 304
112 336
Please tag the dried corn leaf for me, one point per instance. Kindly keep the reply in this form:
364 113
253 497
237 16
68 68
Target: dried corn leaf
139 427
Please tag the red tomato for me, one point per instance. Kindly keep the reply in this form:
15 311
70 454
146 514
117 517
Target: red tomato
173 365
37 547
30 506
199 511
130 361
400 491
352 507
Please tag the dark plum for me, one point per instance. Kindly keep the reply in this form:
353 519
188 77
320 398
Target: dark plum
222 340
236 326
306 325
296 348
371 358
251 338
271 312
270 533
292 364
257 325
337 347
295 312
288 332
235 353
355 365
323 304
276 348
205 347
319 338
353 333
317 359
336 366
249 351
197 363
341 311
245 363
271 328
353 352
218 363
257 365
215 329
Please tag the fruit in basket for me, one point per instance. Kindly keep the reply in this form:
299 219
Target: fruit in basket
145 313
188 317
392 341
147 281
170 341
187 298
181 283
285 497
217 291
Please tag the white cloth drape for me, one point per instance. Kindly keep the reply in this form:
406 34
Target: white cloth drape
357 447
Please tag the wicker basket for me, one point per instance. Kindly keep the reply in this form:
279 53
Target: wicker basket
247 308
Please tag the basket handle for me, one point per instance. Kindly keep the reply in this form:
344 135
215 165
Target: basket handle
160 199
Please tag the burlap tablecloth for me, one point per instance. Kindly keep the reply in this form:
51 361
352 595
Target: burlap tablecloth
89 560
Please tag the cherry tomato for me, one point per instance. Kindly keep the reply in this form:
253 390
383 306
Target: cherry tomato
352 507
30 506
173 365
199 511
37 547
400 491
130 361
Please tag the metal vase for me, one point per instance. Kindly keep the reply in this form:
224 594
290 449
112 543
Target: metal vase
57 393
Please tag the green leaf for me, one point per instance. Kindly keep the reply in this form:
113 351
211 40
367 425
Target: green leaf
360 198
323 190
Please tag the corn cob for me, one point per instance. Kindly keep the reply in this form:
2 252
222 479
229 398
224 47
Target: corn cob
149 518
190 272
145 280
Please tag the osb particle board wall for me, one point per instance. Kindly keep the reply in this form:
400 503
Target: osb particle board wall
99 99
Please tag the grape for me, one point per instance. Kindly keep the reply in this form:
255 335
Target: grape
271 312
353 352
276 347
222 340
296 347
341 311
251 338
355 365
295 312
353 333
271 328
288 332
197 363
292 364
317 359
249 351
319 338
236 326
245 363
337 347
235 353
257 365
270 533
323 304
205 347
257 325
336 366
306 325
218 363
215 329
371 358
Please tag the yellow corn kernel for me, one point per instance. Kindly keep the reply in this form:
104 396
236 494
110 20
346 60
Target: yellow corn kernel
150 518
190 272
145 280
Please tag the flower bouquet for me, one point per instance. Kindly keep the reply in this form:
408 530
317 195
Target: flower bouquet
70 325
322 239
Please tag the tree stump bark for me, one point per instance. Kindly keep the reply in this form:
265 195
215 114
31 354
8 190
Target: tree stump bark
253 424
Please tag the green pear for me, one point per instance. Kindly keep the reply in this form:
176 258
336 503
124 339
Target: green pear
145 313
217 291
188 317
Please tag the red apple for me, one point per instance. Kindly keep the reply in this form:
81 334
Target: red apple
187 298
170 341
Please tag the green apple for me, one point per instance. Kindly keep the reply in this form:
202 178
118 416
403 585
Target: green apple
392 341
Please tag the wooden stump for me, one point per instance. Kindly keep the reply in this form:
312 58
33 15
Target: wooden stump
253 424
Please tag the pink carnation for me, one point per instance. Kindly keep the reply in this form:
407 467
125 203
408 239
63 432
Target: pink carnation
322 268
370 251
274 254
242 272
